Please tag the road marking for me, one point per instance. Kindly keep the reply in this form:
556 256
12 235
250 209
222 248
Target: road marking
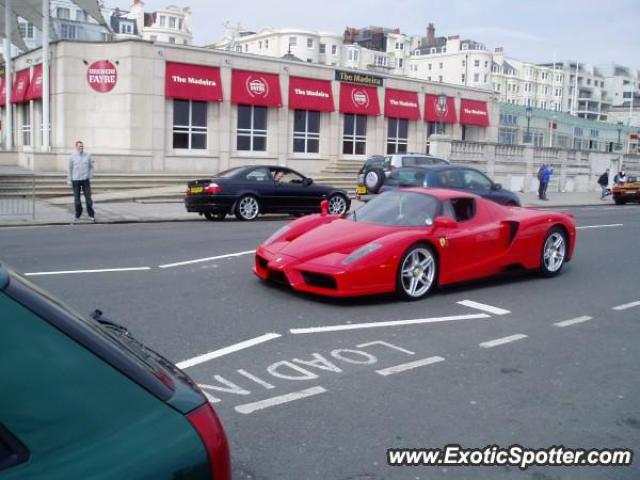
502 341
483 307
409 366
626 306
573 321
207 259
103 270
227 350
601 226
391 323
279 400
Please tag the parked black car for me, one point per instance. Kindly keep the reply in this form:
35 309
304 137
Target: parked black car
456 177
251 190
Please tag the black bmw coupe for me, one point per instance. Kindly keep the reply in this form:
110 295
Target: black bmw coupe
252 190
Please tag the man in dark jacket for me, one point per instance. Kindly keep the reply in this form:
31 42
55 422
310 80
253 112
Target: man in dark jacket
603 181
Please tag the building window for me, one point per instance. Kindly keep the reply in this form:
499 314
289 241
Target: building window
440 78
334 49
163 21
246 47
67 31
323 48
252 128
397 134
172 22
266 44
154 38
238 48
260 44
63 13
26 29
306 131
464 63
441 65
428 66
293 41
400 62
476 63
172 39
180 24
309 42
26 124
353 55
476 77
508 136
486 78
538 139
126 27
462 78
189 125
354 140
81 16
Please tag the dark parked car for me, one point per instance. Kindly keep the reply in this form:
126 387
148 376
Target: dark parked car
251 190
455 177
82 398
377 167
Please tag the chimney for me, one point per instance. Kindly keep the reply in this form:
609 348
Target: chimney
431 35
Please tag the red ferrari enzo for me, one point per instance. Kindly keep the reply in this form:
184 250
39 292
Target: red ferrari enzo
409 241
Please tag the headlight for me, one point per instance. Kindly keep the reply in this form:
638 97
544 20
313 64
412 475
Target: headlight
277 233
361 252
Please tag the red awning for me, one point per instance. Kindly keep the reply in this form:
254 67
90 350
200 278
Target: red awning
192 82
255 88
474 113
359 99
310 94
431 110
20 86
3 92
35 87
401 104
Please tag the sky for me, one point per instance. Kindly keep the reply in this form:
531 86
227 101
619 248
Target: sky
590 31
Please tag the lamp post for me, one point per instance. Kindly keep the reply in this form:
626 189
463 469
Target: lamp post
442 106
529 111
618 146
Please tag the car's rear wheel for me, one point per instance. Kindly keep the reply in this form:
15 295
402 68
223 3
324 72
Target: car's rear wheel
373 179
417 273
337 204
554 252
247 208
215 216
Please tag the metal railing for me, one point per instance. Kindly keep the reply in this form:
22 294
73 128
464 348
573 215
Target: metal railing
18 196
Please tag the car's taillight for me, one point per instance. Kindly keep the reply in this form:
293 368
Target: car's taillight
206 423
212 188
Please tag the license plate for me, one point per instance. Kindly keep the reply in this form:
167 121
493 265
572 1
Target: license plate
196 189
630 192
361 190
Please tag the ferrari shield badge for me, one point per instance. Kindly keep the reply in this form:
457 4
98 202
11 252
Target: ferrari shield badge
443 242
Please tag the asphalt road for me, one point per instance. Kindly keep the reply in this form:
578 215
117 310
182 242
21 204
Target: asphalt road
298 403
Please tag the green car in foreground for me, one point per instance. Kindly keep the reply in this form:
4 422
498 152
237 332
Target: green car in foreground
80 398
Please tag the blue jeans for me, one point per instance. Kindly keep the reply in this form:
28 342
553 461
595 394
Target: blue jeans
85 186
604 191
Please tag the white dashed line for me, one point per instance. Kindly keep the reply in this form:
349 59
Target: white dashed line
391 323
409 366
626 306
103 270
279 400
227 350
573 321
207 259
483 307
612 225
502 341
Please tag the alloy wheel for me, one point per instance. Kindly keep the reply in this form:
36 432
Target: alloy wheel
417 272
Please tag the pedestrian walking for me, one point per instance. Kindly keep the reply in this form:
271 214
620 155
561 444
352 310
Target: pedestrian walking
81 169
621 176
603 181
544 177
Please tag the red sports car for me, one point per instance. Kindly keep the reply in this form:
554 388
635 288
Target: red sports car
409 241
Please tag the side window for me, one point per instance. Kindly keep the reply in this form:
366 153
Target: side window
464 208
288 176
258 175
449 179
423 161
474 180
448 210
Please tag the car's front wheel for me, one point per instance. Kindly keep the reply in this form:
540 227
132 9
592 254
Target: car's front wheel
247 208
554 252
417 273
337 204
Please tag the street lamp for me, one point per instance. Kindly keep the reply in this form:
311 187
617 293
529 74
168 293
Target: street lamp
618 146
529 111
442 107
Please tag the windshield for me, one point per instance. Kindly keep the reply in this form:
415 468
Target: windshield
407 177
399 209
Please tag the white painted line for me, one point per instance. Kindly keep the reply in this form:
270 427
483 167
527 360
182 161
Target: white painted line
207 259
103 270
391 323
409 366
227 350
483 307
627 306
601 226
573 321
279 400
502 341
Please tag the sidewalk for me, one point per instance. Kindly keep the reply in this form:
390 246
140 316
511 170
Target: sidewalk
152 205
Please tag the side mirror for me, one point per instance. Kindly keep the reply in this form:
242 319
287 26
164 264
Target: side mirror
307 181
496 186
445 222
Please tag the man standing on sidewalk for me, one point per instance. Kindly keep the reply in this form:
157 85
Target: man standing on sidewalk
81 168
